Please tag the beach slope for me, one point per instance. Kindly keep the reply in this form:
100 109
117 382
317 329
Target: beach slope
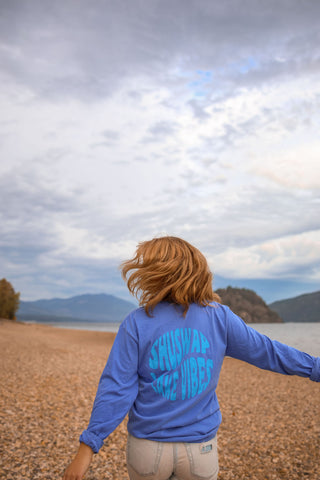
49 376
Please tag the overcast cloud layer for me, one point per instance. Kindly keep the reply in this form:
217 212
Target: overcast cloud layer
125 120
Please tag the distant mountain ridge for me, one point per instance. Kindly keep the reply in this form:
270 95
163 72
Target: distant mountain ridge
304 308
108 308
248 305
87 307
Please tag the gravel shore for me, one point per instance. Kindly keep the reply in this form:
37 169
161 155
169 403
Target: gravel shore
49 376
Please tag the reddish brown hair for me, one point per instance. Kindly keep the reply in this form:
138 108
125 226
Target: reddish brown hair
169 269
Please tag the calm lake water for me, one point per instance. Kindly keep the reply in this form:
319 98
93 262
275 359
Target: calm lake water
303 336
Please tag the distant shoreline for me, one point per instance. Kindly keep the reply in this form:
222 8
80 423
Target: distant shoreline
303 336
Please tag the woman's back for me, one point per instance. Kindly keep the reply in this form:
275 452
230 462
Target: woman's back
179 362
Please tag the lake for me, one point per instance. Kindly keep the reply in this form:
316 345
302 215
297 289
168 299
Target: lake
303 336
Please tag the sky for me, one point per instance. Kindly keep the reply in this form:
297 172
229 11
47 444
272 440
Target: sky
122 121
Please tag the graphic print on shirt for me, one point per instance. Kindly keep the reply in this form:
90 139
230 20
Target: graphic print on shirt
181 355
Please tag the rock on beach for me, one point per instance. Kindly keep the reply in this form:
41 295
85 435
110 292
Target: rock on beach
49 376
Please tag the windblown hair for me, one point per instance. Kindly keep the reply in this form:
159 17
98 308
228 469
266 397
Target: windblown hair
169 269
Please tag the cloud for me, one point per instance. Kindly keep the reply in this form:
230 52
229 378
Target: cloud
87 50
159 131
111 135
125 120
295 168
29 214
198 109
288 257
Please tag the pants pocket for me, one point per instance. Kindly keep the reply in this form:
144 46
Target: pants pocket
203 458
143 455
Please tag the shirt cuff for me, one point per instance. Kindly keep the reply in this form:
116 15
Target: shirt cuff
92 440
315 374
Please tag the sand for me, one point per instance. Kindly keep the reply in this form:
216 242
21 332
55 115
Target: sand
49 376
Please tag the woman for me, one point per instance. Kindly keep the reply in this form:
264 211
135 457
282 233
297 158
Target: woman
165 363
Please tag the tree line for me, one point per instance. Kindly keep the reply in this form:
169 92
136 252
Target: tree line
9 300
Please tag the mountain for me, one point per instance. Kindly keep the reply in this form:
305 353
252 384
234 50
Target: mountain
91 308
247 305
304 308
108 308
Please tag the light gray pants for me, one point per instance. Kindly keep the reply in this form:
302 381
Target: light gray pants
149 460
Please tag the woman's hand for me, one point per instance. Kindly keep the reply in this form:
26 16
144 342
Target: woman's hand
78 467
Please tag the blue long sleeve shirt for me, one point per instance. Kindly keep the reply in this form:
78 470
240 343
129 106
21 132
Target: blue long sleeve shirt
164 371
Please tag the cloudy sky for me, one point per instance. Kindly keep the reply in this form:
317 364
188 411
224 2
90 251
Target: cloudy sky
124 120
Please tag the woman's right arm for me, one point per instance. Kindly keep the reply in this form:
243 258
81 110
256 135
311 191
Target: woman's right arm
117 390
78 467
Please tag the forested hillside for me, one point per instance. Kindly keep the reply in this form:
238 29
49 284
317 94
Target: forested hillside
248 305
304 308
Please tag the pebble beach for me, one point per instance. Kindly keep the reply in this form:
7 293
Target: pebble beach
49 376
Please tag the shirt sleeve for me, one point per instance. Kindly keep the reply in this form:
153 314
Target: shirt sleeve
245 343
117 389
